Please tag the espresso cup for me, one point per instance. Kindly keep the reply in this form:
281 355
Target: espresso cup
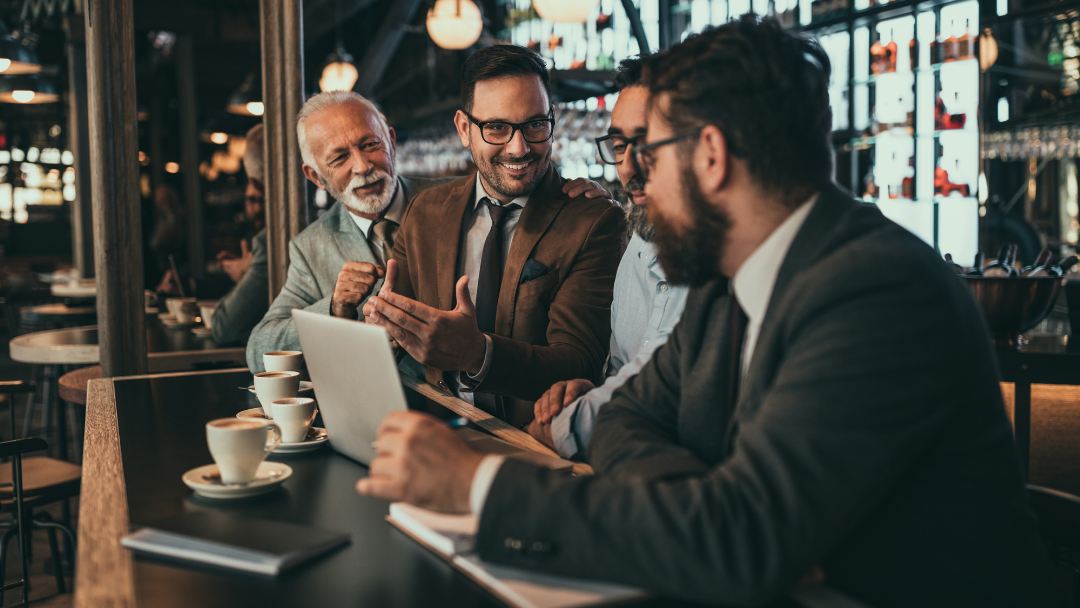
294 417
206 311
270 386
183 309
239 445
283 361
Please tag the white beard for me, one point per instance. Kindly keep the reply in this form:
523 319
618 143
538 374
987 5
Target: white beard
373 204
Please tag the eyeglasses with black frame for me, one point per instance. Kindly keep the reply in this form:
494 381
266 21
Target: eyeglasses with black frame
612 147
643 157
498 132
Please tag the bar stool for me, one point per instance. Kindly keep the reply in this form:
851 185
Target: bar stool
44 317
29 484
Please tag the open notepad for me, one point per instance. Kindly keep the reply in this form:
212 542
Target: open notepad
452 537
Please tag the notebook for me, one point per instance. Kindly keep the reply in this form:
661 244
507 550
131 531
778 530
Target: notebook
251 545
452 537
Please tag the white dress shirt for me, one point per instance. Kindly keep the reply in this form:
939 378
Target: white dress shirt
753 285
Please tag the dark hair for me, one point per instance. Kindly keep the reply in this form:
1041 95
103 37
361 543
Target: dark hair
500 61
767 91
629 73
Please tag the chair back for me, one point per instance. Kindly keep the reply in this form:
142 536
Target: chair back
1059 522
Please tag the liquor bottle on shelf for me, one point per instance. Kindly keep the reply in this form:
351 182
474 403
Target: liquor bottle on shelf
879 63
890 56
944 187
935 51
943 121
1003 266
964 42
949 49
913 54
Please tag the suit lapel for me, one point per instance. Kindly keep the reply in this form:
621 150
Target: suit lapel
351 242
448 244
544 205
805 250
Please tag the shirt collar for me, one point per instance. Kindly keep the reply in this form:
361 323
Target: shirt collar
754 281
482 193
393 213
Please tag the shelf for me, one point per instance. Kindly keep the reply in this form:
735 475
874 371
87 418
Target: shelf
933 69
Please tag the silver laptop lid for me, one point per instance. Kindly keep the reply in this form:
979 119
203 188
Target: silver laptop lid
355 376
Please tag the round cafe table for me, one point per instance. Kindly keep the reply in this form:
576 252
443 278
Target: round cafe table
80 289
168 349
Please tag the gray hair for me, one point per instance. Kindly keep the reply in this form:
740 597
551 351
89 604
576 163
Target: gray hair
253 153
322 101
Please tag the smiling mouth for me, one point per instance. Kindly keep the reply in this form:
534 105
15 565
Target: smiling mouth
369 188
516 167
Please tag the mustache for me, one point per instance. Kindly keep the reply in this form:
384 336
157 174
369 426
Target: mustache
636 184
521 159
359 181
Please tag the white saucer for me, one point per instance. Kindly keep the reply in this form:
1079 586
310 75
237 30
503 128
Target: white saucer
305 386
254 412
317 437
201 332
206 483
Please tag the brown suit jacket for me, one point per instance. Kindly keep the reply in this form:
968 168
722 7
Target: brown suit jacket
550 327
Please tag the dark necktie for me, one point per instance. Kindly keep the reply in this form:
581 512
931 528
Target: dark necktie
382 242
736 328
491 266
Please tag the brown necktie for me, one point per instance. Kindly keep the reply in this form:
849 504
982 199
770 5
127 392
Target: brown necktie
491 266
383 242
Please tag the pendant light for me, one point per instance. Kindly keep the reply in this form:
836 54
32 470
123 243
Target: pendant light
16 55
340 72
988 49
565 11
247 100
454 24
28 89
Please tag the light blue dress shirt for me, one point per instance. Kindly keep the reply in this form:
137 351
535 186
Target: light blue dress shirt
644 310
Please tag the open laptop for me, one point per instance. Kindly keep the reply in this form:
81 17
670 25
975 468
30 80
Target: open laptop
357 384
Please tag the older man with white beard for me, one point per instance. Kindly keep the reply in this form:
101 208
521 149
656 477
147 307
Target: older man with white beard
348 149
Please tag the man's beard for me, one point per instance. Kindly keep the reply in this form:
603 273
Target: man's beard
372 204
493 178
692 257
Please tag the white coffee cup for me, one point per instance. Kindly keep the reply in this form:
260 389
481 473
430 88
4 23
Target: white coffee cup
182 309
239 445
270 386
206 311
283 361
294 417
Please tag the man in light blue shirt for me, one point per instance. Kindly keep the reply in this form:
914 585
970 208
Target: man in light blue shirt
645 307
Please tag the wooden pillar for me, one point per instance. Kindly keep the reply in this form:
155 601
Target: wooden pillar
283 93
189 155
110 71
82 237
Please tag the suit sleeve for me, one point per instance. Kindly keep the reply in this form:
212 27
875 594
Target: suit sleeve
636 433
246 303
841 422
579 322
276 330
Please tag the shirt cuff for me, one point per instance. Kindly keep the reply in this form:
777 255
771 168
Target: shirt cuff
481 482
562 431
470 381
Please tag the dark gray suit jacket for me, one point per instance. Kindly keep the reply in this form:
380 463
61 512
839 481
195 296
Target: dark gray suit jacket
869 439
316 256
238 312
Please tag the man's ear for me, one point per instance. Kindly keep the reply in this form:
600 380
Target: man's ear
312 175
711 157
462 124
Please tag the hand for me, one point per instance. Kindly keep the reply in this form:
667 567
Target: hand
354 283
581 186
541 432
421 461
237 267
559 396
168 285
445 339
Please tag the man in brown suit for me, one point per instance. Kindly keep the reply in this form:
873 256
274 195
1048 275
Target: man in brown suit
538 263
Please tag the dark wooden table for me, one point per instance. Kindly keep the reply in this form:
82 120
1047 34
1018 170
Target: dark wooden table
1040 359
143 432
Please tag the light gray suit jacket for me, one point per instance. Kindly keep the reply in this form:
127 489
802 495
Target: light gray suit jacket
316 256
